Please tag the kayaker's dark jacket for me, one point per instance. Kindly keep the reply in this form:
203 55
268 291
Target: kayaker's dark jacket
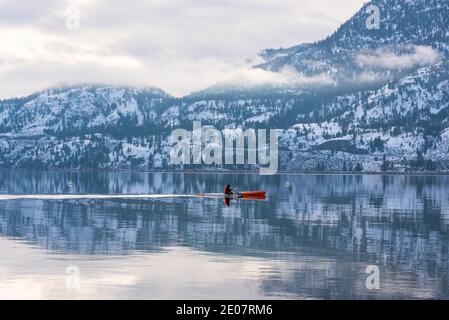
227 190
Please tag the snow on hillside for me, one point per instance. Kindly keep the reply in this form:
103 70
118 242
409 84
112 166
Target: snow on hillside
386 108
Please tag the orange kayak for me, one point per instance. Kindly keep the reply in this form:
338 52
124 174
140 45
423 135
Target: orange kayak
257 195
253 194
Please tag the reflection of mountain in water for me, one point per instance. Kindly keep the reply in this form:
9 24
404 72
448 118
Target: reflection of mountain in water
399 222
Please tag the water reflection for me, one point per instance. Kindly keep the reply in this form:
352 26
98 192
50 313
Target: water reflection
315 235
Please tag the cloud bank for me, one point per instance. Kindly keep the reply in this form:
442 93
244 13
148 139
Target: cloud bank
419 56
177 45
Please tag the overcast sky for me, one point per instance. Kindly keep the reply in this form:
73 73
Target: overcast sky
177 45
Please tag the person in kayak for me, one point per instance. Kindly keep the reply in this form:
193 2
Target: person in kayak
228 190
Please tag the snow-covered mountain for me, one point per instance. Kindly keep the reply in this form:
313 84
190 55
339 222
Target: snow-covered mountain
82 109
411 34
383 106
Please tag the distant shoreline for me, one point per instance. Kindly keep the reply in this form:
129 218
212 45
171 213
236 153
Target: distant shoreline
239 172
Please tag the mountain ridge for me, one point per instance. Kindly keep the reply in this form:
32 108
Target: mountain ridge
386 110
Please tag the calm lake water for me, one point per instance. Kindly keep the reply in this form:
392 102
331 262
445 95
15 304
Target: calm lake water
313 238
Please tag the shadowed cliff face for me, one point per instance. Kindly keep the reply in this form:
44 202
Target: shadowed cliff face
320 232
